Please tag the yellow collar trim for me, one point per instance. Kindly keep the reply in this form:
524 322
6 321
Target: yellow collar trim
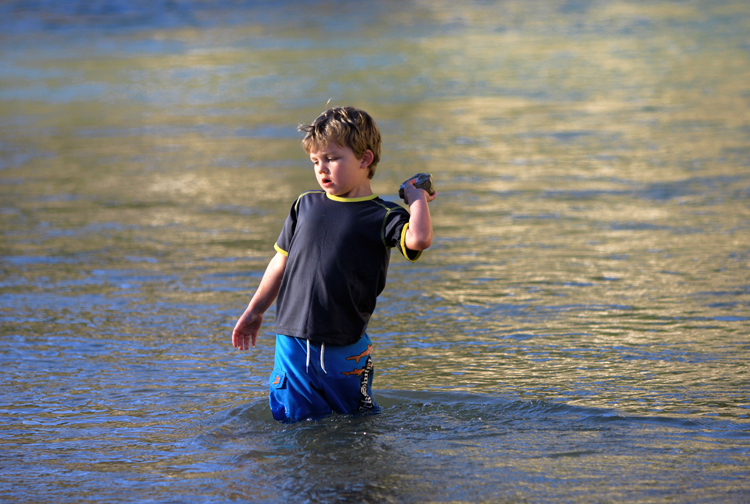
351 200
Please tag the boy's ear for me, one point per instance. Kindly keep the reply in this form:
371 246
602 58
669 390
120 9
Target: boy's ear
367 158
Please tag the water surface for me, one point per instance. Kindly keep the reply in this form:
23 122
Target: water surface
577 333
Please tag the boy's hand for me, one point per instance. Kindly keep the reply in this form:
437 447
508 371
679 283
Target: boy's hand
246 330
413 193
420 180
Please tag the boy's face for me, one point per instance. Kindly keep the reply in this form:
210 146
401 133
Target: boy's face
340 173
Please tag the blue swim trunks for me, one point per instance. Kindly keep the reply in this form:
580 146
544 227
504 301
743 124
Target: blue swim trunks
311 380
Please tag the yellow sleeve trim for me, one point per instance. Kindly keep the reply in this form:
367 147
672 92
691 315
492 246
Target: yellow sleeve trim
415 254
280 250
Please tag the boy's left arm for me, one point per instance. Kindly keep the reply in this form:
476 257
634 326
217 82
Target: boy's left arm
419 234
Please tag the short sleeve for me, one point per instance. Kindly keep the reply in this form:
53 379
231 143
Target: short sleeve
284 243
395 225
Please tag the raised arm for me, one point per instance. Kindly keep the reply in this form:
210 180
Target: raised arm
246 330
419 234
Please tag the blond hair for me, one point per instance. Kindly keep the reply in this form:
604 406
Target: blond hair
349 127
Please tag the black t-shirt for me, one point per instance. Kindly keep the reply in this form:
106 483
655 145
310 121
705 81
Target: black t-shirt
337 251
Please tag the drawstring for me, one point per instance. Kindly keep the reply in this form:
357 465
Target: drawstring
307 363
322 351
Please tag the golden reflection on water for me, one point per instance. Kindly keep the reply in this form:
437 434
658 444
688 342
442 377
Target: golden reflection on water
591 168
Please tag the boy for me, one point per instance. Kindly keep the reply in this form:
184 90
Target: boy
330 265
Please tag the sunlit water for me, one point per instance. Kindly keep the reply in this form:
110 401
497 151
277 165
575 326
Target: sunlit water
579 331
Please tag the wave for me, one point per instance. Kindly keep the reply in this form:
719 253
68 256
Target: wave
468 413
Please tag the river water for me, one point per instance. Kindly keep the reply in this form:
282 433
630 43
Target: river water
579 331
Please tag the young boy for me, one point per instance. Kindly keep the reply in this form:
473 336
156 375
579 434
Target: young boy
330 265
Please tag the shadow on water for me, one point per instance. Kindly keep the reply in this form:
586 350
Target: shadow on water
446 447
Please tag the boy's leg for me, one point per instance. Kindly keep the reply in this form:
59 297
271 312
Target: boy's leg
293 395
347 380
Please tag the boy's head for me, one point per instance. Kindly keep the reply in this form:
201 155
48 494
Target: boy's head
348 127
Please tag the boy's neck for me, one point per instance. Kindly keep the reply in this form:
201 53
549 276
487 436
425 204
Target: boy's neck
361 191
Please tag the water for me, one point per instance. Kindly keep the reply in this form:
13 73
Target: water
577 333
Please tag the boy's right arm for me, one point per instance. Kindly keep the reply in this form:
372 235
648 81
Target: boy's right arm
246 330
